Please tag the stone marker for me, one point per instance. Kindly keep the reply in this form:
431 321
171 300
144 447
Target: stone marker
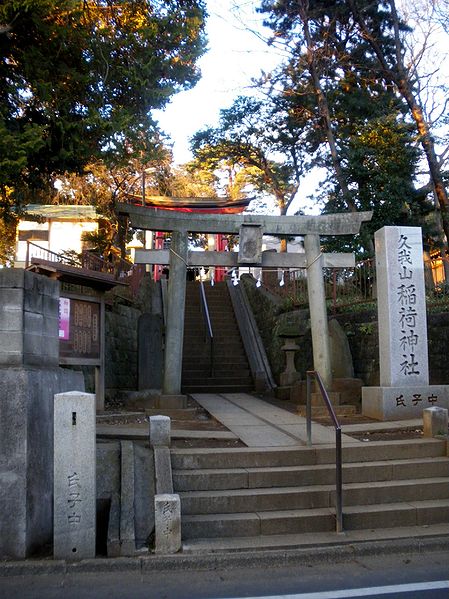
159 431
163 471
435 421
74 476
150 352
404 374
127 478
341 358
167 510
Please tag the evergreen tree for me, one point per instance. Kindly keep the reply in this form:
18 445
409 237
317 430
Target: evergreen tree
255 139
79 79
356 121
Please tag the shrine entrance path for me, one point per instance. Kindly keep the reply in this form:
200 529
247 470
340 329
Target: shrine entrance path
260 424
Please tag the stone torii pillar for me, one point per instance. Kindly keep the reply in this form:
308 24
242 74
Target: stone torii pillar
174 330
317 306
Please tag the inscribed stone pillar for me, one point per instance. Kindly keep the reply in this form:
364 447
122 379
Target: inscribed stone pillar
149 352
404 389
174 334
318 311
74 476
167 509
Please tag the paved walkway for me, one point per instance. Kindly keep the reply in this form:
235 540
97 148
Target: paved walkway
260 424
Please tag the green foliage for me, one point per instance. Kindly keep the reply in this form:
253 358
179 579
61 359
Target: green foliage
367 328
78 81
379 160
257 145
8 226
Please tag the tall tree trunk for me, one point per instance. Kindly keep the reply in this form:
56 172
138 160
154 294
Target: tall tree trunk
429 150
282 211
324 112
399 77
323 107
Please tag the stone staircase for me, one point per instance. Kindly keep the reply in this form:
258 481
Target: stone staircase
248 494
231 369
345 396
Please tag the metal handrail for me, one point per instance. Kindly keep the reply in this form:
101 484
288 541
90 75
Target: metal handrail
338 453
205 311
119 268
50 256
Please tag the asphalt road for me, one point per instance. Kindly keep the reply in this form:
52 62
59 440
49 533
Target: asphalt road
391 576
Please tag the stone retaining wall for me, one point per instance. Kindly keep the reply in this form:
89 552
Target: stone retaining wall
122 315
361 330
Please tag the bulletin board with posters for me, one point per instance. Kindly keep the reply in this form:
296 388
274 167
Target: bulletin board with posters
79 329
81 335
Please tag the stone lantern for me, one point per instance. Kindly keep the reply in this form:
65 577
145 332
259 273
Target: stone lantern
290 333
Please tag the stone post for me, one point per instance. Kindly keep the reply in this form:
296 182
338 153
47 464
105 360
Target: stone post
160 431
167 510
318 311
74 476
174 334
435 421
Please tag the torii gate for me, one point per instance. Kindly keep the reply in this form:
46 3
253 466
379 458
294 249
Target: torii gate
251 228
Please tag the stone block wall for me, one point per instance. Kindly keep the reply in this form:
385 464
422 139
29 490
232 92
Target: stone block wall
361 329
362 333
121 348
363 337
29 379
28 319
437 337
121 357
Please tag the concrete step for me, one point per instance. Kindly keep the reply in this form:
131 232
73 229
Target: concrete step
321 474
220 344
220 347
226 360
199 375
314 539
194 303
246 457
217 319
227 336
315 496
220 380
321 411
219 369
202 360
386 515
203 370
224 332
217 388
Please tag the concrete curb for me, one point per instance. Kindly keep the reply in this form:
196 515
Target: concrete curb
212 561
